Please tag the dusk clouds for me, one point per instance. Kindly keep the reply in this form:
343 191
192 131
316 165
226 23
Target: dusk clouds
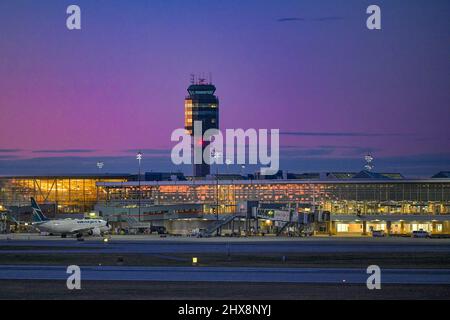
311 69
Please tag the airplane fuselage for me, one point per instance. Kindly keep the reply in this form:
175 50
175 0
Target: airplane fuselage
72 226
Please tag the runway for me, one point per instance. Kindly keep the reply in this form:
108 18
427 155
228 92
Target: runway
155 245
228 274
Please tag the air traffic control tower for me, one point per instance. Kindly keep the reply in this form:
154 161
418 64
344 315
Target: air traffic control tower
201 105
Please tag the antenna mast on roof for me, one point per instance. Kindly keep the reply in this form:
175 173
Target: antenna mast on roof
201 79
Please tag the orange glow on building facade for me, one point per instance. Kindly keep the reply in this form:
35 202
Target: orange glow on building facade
349 197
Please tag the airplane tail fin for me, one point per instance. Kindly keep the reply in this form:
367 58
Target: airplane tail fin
37 212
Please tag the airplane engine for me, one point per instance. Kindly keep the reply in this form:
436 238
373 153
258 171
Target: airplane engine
95 232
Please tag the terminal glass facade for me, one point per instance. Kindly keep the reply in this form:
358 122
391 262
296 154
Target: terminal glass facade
69 194
352 197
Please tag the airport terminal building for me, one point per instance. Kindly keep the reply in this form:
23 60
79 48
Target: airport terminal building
75 193
354 203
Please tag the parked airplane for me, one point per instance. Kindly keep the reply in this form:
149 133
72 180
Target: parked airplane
64 227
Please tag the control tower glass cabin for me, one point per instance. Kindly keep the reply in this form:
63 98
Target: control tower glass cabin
201 105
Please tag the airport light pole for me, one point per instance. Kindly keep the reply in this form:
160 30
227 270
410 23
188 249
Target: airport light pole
100 165
216 155
139 158
228 162
242 169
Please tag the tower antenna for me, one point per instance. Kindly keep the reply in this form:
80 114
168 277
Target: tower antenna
201 79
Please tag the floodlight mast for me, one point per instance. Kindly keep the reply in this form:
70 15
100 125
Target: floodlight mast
139 158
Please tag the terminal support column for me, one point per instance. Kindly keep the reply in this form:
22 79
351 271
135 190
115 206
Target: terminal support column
388 227
332 228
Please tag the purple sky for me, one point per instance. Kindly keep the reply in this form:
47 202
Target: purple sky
336 89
